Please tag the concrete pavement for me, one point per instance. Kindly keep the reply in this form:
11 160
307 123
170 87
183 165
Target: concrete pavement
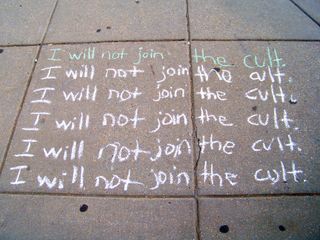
159 119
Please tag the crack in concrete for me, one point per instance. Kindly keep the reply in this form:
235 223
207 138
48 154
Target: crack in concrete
195 168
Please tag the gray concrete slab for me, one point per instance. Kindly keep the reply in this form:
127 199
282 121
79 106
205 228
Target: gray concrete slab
98 125
253 19
24 21
12 87
311 7
258 130
117 20
260 218
43 217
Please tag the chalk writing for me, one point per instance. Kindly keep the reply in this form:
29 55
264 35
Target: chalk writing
231 132
126 118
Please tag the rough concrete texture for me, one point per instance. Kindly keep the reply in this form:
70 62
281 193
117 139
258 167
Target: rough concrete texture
276 154
260 218
311 7
253 19
12 87
51 217
173 119
117 20
123 138
24 21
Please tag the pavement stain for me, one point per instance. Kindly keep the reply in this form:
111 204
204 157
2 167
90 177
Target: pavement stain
84 208
99 29
152 70
3 223
224 229
42 120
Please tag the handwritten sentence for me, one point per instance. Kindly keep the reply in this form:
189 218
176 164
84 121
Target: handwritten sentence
168 85
282 174
270 58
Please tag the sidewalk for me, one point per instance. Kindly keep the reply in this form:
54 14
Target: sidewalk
148 119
